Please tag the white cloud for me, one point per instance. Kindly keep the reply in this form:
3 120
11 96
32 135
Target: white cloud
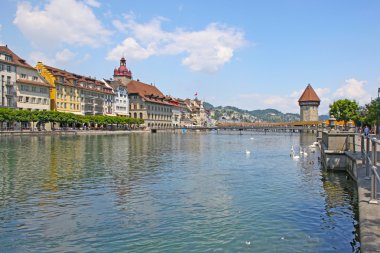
37 56
60 22
205 50
64 56
353 89
92 3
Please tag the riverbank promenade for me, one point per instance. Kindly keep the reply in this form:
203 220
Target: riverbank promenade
358 155
369 214
70 132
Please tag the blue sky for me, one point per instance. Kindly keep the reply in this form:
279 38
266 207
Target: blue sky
249 54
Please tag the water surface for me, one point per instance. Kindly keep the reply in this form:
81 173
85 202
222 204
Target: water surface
168 192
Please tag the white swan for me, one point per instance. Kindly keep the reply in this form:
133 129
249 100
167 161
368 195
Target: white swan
296 157
303 152
247 151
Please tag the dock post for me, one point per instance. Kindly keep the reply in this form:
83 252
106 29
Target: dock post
366 162
362 148
374 152
373 199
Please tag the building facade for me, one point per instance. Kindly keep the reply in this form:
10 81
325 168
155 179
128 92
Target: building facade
33 91
149 103
146 101
121 105
309 102
22 86
198 115
8 66
76 93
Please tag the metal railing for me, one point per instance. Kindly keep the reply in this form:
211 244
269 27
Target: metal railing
369 159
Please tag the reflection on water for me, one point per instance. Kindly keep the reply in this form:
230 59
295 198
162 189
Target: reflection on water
190 192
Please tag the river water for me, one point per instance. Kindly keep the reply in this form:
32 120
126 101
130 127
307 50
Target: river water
168 192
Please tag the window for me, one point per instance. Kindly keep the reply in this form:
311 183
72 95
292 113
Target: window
45 101
27 99
34 89
1 67
39 100
35 78
9 68
20 98
33 101
23 76
8 58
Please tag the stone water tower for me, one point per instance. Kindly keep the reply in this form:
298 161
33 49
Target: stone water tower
309 102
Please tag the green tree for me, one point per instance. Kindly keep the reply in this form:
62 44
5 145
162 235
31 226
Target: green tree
345 110
373 112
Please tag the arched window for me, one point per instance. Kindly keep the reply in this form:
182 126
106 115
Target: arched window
141 115
135 115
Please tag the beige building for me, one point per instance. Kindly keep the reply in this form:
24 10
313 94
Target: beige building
22 86
149 103
198 114
76 93
309 102
33 92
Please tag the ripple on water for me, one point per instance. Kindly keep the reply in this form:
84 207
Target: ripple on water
169 192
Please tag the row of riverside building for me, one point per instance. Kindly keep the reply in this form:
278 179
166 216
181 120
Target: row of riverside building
43 87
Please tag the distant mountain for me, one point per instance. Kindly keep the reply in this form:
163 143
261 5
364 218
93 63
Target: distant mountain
208 106
273 115
234 114
324 117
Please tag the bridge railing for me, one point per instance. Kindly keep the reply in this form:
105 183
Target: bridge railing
369 151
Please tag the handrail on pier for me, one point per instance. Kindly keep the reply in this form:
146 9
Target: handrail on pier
369 153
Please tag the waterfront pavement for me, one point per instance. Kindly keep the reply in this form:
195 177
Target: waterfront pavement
70 132
369 214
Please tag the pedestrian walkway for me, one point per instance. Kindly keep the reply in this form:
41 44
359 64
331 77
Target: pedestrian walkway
369 214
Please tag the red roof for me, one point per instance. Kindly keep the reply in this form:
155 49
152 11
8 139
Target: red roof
15 58
309 95
79 78
148 92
